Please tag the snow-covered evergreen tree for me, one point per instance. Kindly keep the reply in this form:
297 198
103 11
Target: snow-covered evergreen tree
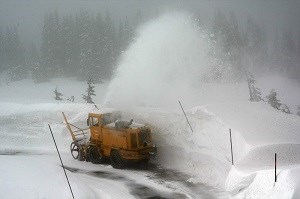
284 108
84 25
255 94
298 111
288 50
47 48
275 103
256 49
2 50
109 47
90 91
57 94
71 99
272 99
68 46
14 55
276 55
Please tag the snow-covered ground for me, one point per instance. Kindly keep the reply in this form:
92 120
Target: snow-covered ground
158 69
188 165
26 141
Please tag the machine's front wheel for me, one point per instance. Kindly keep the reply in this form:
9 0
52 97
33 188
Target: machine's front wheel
76 151
95 156
116 160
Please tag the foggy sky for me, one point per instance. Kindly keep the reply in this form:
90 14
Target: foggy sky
28 15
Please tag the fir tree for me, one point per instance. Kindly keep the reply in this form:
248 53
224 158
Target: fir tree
49 60
2 50
71 99
275 103
298 111
255 94
67 45
272 99
288 50
33 55
90 91
284 108
256 48
57 94
84 25
38 73
14 55
109 46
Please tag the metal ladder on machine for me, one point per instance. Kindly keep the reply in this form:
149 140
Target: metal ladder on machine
77 148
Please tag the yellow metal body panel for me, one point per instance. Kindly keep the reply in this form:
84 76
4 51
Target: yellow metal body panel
107 137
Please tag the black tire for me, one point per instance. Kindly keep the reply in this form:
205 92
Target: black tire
77 151
95 156
116 160
87 154
144 163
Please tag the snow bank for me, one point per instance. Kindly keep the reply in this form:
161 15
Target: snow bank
267 131
259 123
253 176
261 184
26 125
27 177
204 153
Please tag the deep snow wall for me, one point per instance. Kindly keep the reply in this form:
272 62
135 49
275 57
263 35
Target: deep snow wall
203 153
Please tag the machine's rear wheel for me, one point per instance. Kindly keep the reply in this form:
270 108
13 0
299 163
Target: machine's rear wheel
95 156
116 160
145 161
76 151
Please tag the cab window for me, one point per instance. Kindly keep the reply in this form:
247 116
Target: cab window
94 121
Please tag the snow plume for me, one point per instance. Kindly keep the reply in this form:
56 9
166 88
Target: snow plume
164 63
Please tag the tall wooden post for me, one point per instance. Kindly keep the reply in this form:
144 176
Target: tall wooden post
62 164
185 116
275 167
231 147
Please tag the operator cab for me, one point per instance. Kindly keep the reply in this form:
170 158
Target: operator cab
95 119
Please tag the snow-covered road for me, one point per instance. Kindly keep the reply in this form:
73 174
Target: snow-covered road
39 175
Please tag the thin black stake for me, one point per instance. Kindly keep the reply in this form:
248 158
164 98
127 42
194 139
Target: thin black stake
185 115
231 147
61 161
275 167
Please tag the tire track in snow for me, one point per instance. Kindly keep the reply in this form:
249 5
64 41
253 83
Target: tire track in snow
175 181
138 190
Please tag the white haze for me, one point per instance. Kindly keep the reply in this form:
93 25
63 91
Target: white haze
164 63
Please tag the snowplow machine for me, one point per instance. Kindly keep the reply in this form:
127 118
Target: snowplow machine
107 137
